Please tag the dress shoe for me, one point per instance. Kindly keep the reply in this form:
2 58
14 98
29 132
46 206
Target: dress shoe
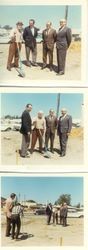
9 68
41 152
52 151
44 66
61 73
34 64
62 154
51 68
28 64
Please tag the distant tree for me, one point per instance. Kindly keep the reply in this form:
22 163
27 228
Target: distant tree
32 201
12 117
78 205
7 117
64 198
7 27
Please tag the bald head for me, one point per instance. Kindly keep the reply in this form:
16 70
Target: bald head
51 112
40 114
63 111
48 25
63 22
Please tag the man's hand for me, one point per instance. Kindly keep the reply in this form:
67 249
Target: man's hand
68 133
28 133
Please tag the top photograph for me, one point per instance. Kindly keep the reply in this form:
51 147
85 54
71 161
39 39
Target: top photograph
40 43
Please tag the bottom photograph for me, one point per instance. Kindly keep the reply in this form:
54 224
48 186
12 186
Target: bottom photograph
42 211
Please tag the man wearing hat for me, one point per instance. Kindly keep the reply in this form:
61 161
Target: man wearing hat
64 128
15 46
29 35
63 41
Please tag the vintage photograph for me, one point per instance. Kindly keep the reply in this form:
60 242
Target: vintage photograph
42 211
40 42
42 128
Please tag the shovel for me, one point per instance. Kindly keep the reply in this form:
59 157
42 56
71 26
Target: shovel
20 68
46 154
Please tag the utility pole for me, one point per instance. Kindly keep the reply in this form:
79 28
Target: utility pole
58 105
66 12
19 197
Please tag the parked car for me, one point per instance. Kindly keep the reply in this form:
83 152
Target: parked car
40 211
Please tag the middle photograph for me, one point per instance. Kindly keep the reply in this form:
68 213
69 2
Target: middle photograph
42 128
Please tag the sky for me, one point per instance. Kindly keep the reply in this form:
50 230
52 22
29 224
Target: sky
43 189
14 103
11 14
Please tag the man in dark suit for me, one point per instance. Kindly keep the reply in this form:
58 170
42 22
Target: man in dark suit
49 38
64 128
51 124
26 130
29 35
49 213
62 44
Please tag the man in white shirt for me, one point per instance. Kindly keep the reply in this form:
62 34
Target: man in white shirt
38 131
17 210
15 45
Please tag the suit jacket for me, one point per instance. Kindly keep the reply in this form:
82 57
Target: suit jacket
49 39
51 124
64 38
26 123
49 210
29 38
65 211
65 124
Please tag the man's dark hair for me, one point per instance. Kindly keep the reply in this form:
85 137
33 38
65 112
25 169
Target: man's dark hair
12 195
32 20
29 104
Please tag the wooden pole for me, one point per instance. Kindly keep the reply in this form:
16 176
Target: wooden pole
58 104
17 156
66 12
61 241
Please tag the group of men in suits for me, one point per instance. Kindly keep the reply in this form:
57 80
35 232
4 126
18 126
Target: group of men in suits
41 127
56 213
62 38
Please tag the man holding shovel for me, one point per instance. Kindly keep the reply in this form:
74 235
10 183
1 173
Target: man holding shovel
16 39
38 131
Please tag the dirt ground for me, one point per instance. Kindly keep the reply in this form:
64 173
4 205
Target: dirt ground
11 142
73 67
35 232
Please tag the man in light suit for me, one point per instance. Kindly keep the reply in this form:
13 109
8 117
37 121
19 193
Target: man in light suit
62 44
51 124
64 128
49 38
30 34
